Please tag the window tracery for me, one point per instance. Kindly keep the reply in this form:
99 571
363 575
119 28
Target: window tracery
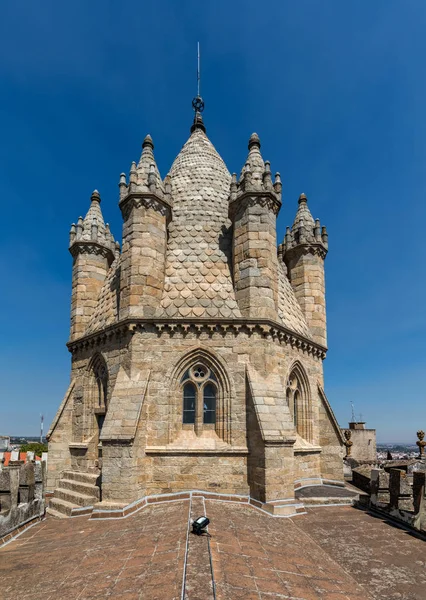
199 386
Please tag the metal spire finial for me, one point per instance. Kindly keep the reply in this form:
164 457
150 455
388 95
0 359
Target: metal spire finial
198 102
198 69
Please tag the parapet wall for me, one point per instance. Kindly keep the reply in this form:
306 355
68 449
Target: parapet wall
22 488
401 496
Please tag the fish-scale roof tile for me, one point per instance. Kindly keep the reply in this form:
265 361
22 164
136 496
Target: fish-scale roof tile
106 311
289 310
198 279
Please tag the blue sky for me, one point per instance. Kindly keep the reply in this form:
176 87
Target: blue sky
335 90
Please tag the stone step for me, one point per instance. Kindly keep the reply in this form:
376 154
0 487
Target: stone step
55 513
61 506
78 486
344 501
74 498
90 478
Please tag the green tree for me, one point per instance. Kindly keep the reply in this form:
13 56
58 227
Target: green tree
35 447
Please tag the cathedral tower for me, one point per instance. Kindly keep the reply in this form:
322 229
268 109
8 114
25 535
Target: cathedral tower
197 352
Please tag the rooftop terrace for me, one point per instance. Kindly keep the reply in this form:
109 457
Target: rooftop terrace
331 553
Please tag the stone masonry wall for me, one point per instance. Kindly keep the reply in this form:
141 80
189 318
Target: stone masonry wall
143 258
255 259
150 463
332 448
307 464
307 279
364 444
88 275
59 438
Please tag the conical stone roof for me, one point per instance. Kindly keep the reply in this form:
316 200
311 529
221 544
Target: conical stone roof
303 216
198 280
94 215
254 161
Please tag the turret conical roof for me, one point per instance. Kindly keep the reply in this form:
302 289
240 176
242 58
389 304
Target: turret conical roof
254 163
147 166
94 215
303 216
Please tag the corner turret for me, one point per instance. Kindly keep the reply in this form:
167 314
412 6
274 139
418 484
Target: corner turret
145 204
254 205
93 249
305 247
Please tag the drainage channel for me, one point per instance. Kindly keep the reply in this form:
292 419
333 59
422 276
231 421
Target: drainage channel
198 575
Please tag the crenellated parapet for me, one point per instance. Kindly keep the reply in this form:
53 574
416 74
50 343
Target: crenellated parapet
255 201
93 249
145 204
304 249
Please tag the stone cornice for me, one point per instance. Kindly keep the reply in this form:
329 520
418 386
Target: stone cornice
317 249
264 327
147 200
91 247
266 198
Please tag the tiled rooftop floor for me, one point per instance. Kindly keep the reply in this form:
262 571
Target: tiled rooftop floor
321 556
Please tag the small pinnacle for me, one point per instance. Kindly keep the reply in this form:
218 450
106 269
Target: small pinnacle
148 142
254 141
302 198
95 196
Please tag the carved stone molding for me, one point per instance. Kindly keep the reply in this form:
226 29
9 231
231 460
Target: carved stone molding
310 248
265 199
262 328
93 248
147 201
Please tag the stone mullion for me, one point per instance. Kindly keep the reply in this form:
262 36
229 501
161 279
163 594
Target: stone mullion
198 426
220 414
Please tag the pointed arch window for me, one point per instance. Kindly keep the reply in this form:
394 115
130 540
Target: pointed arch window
199 391
298 399
100 374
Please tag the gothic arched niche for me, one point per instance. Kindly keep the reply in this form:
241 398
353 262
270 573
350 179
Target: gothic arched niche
96 394
200 395
299 401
